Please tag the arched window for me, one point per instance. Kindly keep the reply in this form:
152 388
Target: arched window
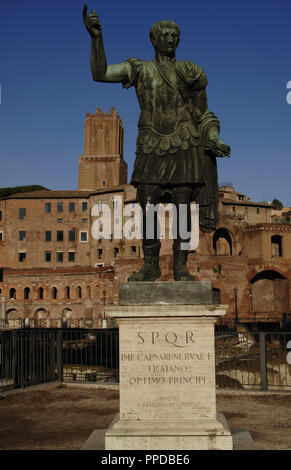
40 293
97 292
276 242
222 242
12 293
26 293
79 292
88 292
54 293
67 292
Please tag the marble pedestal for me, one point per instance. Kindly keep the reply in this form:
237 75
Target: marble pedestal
167 377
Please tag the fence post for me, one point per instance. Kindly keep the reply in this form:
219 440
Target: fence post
59 355
14 360
263 361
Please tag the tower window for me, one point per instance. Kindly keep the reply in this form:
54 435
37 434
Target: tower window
48 236
60 235
22 213
60 207
21 256
47 256
71 256
48 207
83 236
22 235
72 235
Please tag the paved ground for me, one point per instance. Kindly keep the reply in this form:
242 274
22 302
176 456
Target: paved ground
62 418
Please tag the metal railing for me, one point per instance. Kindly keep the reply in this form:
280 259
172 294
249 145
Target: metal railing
89 356
253 360
35 356
32 356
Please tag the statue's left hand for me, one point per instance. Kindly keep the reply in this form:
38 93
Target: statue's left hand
223 150
218 147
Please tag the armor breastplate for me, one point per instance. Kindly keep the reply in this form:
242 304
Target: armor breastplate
165 123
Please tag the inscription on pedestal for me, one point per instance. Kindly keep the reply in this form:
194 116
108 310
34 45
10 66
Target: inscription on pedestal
167 369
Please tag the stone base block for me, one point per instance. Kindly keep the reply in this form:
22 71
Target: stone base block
165 293
154 435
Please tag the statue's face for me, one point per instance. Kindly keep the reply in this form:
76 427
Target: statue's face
166 41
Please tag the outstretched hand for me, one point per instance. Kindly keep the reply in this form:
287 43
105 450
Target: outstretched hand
92 22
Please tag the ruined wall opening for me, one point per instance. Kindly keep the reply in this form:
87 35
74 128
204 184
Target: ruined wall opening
222 242
269 292
216 296
12 313
41 316
276 244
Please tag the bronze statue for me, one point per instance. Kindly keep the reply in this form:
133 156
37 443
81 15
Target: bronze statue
178 137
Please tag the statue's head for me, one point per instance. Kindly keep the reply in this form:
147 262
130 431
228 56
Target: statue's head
165 36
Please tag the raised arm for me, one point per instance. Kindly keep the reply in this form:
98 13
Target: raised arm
101 72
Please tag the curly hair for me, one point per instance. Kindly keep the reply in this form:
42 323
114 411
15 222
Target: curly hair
156 28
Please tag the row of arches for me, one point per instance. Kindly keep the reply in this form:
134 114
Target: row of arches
40 313
54 293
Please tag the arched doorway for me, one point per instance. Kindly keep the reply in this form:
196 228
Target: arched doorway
41 316
13 318
222 242
269 292
67 314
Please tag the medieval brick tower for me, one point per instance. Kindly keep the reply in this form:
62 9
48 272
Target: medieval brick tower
102 165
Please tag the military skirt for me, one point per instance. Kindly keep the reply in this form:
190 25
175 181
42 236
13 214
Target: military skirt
185 167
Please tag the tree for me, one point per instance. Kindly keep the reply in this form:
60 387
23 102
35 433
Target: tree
4 192
277 204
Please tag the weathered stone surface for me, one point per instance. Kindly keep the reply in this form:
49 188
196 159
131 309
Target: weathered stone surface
167 379
165 293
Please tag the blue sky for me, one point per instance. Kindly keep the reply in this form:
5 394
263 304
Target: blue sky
46 85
